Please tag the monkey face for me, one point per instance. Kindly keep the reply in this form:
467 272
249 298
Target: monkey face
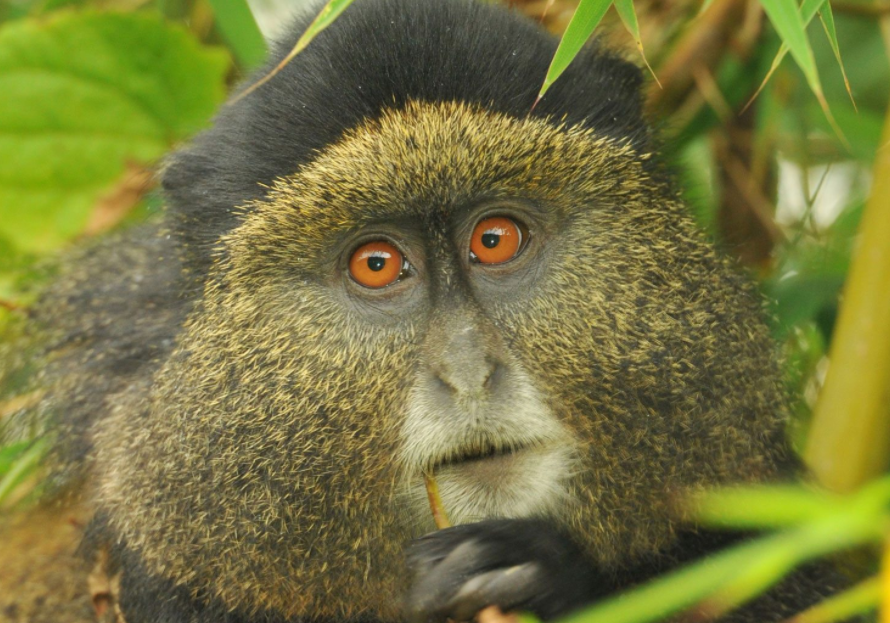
600 362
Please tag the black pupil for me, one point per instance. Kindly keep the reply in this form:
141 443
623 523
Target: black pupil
490 241
375 262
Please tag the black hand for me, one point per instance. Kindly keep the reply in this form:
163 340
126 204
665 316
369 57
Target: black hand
515 564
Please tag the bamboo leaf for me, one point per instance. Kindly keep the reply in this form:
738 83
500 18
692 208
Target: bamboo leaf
239 28
675 591
762 507
24 465
729 578
329 13
808 11
827 18
628 17
584 21
861 599
705 6
790 25
9 454
850 527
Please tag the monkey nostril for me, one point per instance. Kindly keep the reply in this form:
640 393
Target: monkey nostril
440 380
492 374
469 379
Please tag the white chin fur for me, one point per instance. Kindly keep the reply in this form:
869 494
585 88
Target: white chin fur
532 481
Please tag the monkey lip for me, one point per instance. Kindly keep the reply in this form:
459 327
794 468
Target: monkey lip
476 455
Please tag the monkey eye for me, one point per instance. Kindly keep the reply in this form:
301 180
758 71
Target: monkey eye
497 239
376 264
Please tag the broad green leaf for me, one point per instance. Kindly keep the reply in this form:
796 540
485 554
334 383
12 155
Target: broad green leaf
239 28
83 94
329 13
586 18
801 297
694 164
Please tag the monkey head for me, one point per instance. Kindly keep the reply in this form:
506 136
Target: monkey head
517 303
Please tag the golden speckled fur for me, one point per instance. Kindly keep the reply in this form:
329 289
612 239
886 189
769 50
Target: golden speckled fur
262 466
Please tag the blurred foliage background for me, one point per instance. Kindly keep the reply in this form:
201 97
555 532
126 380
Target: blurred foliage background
786 165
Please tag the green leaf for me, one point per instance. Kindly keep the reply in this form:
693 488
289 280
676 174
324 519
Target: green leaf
23 464
705 6
675 591
808 11
790 25
844 606
585 19
239 28
827 18
328 14
628 17
801 297
758 507
9 454
729 578
83 94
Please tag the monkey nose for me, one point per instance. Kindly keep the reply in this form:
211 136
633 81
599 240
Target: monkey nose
471 379
465 365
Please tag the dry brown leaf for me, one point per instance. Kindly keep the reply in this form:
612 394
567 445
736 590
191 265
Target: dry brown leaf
104 591
114 206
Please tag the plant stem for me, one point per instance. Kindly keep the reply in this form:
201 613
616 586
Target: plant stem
849 441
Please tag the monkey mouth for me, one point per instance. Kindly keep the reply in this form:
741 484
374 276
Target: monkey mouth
475 454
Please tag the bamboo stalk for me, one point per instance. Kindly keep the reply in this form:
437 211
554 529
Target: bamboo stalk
885 583
849 441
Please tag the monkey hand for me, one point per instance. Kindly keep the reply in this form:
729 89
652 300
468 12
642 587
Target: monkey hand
514 564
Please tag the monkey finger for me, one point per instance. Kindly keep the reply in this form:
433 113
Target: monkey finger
506 588
437 583
428 551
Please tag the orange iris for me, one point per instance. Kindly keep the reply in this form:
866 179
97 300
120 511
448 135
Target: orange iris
496 239
376 264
